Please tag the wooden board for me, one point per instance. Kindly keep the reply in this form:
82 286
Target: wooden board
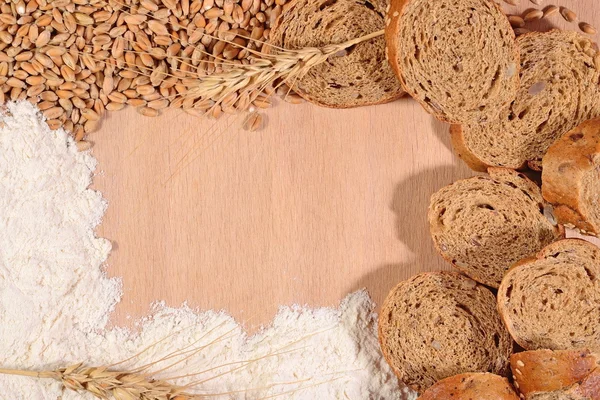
318 204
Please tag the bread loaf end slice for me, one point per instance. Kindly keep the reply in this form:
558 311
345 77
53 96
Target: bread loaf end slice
358 76
457 58
552 300
544 371
470 386
571 178
559 89
439 324
485 224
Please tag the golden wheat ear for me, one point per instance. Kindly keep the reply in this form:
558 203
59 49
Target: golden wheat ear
106 384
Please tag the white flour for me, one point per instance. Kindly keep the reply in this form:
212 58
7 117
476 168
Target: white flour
55 300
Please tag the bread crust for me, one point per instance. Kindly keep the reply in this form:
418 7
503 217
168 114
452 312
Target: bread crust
269 50
538 371
392 29
564 167
469 386
461 149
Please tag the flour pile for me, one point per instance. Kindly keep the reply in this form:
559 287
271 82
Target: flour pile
55 299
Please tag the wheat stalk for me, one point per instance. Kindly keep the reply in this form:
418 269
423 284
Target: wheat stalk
282 66
106 384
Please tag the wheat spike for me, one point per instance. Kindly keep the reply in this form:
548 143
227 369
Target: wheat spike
282 65
106 384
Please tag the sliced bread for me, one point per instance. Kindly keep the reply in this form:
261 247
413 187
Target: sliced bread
457 58
484 224
471 386
559 89
552 300
571 177
358 76
439 324
545 371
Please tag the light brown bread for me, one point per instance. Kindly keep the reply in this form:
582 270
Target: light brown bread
552 300
571 177
457 58
485 224
559 89
538 372
471 386
357 77
439 324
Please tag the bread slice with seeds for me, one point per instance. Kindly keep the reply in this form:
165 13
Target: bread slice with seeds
358 76
547 373
559 89
480 386
439 324
485 224
457 58
552 300
571 178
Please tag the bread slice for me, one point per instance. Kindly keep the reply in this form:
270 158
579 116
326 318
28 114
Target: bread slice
359 76
439 324
552 300
470 386
483 225
457 58
559 89
545 371
571 177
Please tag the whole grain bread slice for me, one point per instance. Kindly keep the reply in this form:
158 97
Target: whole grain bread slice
538 372
470 386
552 300
571 178
457 58
559 89
484 224
441 324
358 76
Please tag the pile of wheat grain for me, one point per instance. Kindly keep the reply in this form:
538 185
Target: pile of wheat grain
76 59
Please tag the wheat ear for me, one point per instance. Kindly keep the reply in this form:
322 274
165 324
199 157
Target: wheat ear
282 65
106 384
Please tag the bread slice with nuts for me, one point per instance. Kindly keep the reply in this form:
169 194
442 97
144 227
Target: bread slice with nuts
485 224
539 373
359 75
457 58
439 324
552 300
571 178
559 89
469 386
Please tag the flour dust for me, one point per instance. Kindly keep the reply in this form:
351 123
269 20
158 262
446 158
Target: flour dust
55 299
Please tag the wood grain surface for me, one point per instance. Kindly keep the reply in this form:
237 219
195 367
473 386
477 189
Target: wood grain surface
317 204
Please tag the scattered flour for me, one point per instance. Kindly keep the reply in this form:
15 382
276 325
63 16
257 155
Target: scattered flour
55 299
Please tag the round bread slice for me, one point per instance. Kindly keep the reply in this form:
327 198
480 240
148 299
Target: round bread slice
571 178
439 324
545 371
470 386
559 89
457 58
552 301
360 75
485 224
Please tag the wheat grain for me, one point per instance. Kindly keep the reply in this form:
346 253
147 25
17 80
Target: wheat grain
568 15
550 11
587 28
